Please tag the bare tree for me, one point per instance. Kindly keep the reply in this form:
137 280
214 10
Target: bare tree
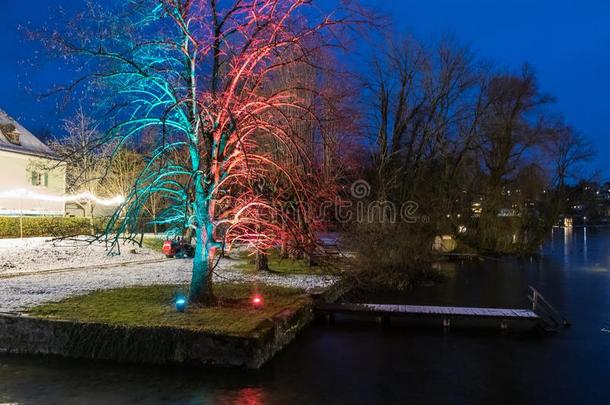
428 106
122 173
513 124
451 132
86 157
568 150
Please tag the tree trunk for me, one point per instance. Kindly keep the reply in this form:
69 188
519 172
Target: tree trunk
154 213
284 249
91 223
201 291
310 260
284 246
262 262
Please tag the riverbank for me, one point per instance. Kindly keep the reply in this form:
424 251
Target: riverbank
141 325
118 309
122 325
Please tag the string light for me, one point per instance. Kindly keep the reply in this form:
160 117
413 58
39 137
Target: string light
87 196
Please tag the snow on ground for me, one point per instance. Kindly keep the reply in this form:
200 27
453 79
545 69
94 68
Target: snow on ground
36 254
28 290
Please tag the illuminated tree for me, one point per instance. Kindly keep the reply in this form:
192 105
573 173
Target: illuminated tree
199 72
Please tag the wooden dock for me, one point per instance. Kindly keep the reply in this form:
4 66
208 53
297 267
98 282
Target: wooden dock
418 310
503 318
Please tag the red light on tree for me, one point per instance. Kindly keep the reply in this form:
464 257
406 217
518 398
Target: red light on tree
257 301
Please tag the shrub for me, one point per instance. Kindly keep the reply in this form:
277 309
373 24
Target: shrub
10 227
391 256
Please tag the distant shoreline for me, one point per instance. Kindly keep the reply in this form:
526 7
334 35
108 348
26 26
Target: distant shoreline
582 226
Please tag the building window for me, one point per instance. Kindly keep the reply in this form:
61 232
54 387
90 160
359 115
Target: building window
40 179
11 133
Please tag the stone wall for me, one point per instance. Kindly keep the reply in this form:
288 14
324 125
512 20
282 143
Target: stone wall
21 334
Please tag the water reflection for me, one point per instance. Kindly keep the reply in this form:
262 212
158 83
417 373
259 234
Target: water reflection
585 246
567 243
250 396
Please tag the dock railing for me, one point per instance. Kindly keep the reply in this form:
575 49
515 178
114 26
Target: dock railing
553 319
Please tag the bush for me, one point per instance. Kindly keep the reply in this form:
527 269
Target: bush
392 256
10 227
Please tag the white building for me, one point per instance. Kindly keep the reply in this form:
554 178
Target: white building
32 179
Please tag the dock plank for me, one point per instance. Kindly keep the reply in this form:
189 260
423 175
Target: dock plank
431 310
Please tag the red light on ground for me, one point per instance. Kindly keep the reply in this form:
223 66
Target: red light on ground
257 301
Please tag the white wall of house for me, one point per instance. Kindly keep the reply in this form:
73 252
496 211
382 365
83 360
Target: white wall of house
82 210
34 174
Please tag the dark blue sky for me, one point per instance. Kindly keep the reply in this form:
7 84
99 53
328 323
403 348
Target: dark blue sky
567 42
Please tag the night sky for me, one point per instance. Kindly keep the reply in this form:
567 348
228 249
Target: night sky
567 42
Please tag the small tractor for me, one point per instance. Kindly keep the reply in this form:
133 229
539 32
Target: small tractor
178 248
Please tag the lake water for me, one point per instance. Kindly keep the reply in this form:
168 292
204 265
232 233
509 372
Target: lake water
356 363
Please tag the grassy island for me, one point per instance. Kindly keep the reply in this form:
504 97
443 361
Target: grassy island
153 306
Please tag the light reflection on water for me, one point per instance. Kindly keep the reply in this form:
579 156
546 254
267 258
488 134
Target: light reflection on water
357 363
585 246
567 243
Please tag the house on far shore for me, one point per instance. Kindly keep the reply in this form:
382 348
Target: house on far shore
32 178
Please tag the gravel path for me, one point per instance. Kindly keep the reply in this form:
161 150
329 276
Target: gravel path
28 290
36 254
